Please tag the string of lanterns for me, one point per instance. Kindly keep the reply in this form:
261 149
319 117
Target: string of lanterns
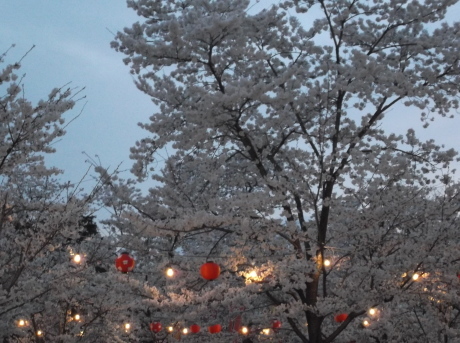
209 271
125 263
157 327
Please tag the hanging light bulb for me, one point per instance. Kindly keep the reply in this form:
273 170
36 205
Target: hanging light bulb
415 276
244 330
170 328
185 331
77 317
266 331
170 272
366 323
327 263
77 258
39 333
21 322
127 327
372 311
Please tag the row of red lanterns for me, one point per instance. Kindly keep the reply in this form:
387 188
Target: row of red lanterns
125 263
195 328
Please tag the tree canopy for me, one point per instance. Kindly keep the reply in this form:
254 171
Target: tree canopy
278 168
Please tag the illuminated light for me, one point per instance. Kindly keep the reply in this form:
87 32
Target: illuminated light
266 331
185 331
170 272
244 330
327 263
170 329
252 274
77 317
366 323
372 311
81 333
77 258
404 275
415 276
127 326
39 333
21 322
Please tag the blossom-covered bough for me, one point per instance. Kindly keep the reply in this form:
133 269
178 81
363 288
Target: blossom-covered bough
277 162
54 285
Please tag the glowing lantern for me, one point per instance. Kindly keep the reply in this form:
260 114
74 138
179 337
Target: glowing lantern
125 263
210 271
185 331
155 327
244 330
215 328
340 318
276 324
195 328
366 323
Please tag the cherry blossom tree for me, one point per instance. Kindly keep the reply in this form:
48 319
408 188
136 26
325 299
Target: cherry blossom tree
56 284
269 159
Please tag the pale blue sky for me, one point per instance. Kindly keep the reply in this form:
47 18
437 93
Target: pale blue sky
72 42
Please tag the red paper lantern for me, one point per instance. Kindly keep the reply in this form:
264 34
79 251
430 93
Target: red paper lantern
125 263
210 271
215 328
155 327
276 324
340 318
195 328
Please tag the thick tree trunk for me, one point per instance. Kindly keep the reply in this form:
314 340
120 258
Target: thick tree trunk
314 322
